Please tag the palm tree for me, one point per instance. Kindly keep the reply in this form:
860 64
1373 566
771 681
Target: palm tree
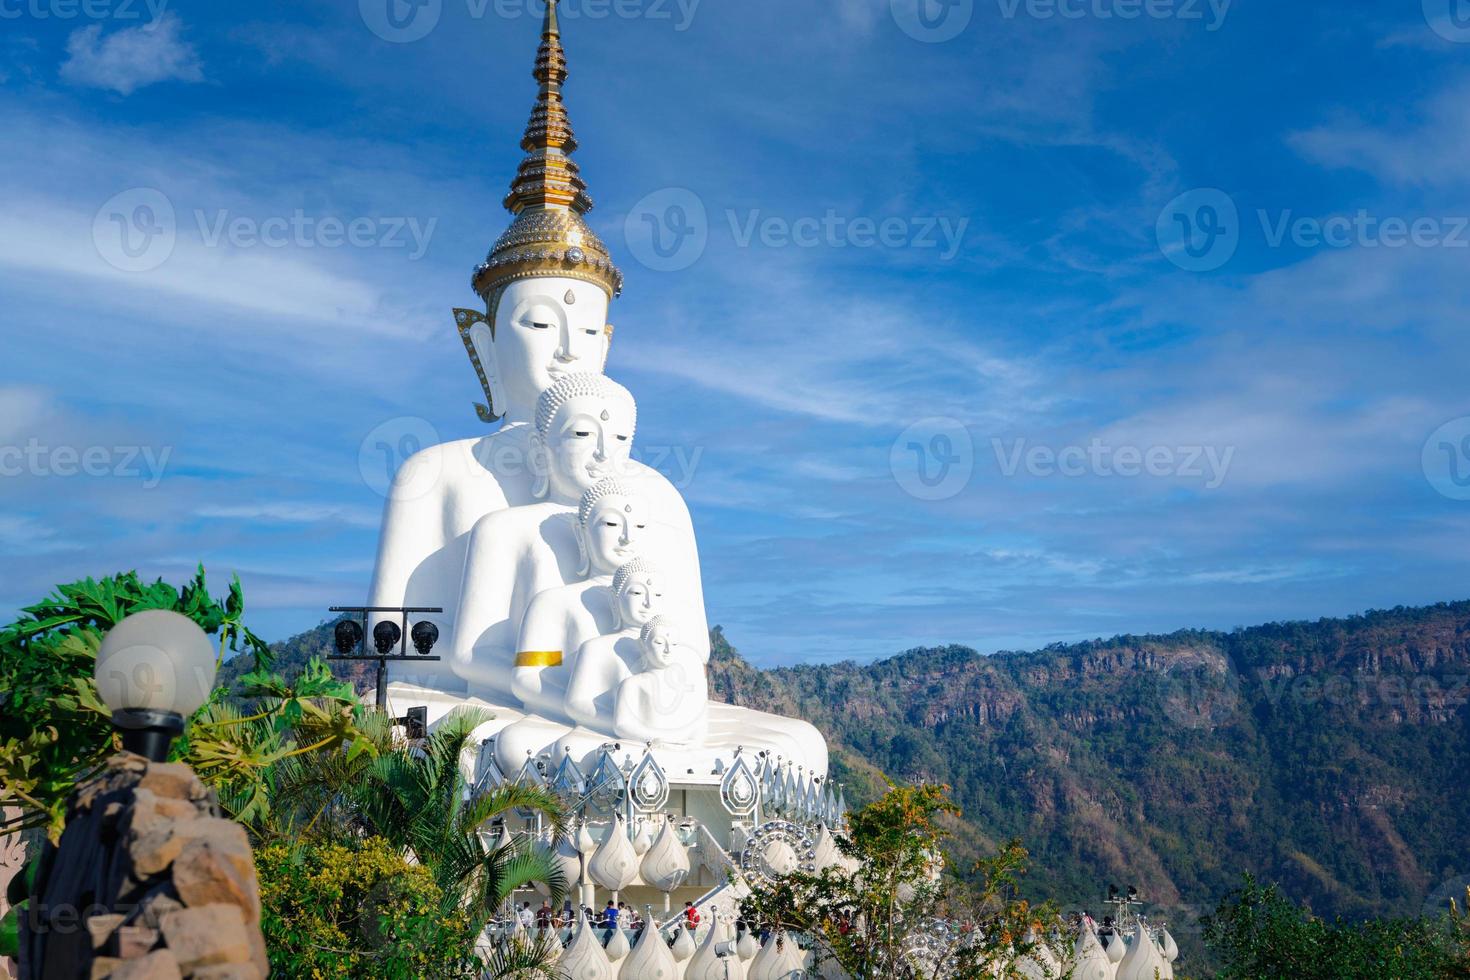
418 798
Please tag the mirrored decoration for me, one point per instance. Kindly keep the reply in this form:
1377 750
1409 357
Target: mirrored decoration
606 787
530 774
569 780
930 948
775 789
790 793
648 787
739 791
487 772
776 849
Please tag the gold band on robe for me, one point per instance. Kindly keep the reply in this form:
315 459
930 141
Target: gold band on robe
538 658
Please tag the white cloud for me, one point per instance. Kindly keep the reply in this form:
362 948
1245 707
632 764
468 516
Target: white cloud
130 59
21 407
1431 153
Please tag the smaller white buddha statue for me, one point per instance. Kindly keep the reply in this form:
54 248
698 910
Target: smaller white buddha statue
584 432
603 662
612 520
668 700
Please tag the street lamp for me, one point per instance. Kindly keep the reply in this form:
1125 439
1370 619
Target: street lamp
154 669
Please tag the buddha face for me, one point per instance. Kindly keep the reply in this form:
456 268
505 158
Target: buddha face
540 336
659 646
613 533
641 599
589 440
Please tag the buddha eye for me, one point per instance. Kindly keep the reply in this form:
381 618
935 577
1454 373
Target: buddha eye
581 435
622 438
541 326
592 333
610 523
640 526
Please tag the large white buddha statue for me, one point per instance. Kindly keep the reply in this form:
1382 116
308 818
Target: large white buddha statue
546 286
569 573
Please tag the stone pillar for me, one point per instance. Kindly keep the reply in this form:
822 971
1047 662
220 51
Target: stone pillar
149 883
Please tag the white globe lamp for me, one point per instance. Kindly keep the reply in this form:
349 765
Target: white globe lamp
154 669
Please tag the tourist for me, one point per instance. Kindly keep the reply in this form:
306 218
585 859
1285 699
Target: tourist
610 916
526 916
691 916
543 915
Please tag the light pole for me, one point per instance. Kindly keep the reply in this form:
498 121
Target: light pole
154 669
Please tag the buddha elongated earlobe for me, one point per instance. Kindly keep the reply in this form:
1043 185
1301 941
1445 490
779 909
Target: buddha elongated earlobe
584 566
540 463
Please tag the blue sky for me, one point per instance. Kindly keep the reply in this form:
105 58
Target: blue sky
1017 322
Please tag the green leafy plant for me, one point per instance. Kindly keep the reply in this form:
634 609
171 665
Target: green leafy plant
54 730
358 910
1257 933
868 918
249 754
417 797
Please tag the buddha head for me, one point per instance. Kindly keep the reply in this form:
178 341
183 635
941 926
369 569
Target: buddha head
539 330
610 525
659 642
583 433
637 593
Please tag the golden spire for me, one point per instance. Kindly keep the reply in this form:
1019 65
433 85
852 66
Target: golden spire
547 176
548 236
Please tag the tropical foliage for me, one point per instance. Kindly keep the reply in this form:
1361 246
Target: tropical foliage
54 731
891 911
360 910
1259 934
337 804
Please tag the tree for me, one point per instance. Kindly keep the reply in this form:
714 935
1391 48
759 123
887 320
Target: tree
1257 933
54 730
417 797
890 910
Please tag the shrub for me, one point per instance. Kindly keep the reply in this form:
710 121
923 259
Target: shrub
332 910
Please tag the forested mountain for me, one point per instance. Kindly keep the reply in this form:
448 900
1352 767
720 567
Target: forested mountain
1332 757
